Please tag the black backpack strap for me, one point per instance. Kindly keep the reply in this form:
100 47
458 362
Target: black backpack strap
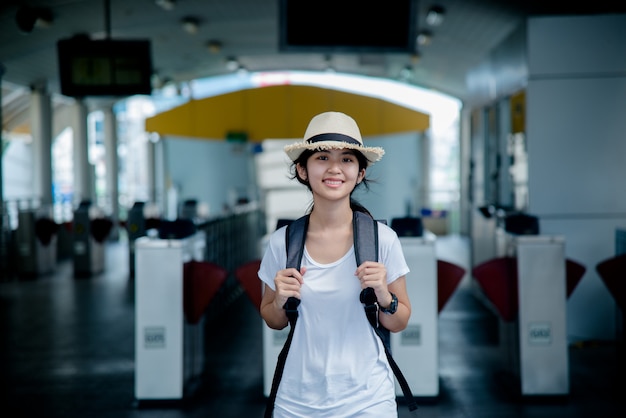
295 236
370 304
291 308
365 237
366 249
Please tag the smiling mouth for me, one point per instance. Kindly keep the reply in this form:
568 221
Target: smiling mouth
333 182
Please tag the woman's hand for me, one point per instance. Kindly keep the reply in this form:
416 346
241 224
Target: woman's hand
374 275
287 283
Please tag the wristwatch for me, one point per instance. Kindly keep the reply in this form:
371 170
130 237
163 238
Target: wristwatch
393 307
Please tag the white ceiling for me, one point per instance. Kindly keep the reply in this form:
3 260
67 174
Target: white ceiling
248 30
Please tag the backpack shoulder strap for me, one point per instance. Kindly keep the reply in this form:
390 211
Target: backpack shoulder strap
366 249
295 235
365 232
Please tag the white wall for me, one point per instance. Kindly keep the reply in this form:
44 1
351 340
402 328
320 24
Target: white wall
397 179
17 171
576 129
213 172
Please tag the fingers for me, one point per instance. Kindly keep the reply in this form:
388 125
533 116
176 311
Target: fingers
288 283
372 274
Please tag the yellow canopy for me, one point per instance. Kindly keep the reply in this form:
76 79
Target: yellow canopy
281 111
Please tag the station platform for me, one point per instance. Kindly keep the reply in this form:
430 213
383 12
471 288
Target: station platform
67 350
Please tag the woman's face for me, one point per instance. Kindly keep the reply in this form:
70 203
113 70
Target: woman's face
332 174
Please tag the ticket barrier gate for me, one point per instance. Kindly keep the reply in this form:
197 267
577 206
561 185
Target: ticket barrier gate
172 289
415 349
89 235
528 288
36 241
135 228
6 243
137 225
273 339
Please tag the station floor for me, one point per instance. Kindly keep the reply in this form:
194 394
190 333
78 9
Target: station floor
67 350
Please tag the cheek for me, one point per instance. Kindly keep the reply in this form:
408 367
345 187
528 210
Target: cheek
315 170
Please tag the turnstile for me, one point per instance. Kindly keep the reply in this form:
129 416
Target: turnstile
88 252
415 349
168 350
136 228
543 354
36 241
527 286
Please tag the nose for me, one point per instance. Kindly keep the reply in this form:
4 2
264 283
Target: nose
334 167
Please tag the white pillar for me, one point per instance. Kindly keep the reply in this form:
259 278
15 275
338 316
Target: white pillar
112 168
151 168
41 129
2 69
83 176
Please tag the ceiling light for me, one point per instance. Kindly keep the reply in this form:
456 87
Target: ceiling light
424 38
214 46
406 74
166 4
190 25
232 64
27 18
328 64
435 15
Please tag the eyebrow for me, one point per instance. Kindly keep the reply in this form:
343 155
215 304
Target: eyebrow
344 152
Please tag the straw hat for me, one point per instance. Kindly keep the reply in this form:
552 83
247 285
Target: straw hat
333 130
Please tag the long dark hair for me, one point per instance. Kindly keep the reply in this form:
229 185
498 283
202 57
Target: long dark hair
363 163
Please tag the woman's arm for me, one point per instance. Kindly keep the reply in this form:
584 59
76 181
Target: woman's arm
273 317
399 320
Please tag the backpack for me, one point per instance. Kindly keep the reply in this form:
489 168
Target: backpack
365 232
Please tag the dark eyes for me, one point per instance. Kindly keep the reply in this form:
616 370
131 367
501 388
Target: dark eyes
346 159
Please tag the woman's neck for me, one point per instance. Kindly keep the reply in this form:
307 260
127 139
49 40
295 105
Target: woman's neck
330 216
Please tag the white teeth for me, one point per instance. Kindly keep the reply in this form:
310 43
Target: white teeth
332 182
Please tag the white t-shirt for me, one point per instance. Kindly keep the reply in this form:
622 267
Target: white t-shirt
336 366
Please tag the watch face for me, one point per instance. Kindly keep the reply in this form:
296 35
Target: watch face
393 307
394 304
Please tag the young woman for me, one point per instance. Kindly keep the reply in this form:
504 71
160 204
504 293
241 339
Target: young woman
336 366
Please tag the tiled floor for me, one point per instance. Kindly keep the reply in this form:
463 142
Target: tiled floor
67 350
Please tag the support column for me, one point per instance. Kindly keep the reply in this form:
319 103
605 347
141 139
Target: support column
112 168
5 230
1 150
426 166
83 174
41 128
151 168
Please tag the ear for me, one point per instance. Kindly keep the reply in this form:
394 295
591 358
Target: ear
301 171
361 176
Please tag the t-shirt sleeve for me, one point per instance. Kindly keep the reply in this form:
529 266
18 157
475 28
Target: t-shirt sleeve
390 253
274 258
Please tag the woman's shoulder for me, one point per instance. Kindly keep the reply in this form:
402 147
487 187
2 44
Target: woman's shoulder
386 235
384 229
278 236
